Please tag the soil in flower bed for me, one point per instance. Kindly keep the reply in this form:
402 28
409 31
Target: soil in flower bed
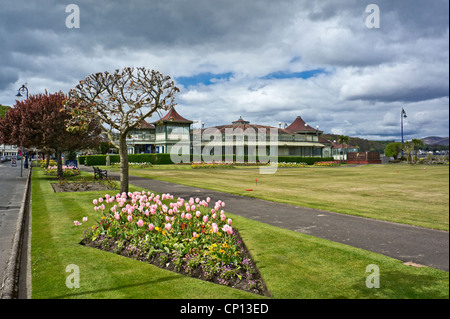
249 280
80 187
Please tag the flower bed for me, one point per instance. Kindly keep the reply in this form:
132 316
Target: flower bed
328 163
183 236
290 164
68 171
225 164
134 165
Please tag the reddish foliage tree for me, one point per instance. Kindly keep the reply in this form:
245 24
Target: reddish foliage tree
40 121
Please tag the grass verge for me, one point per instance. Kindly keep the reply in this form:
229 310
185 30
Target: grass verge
293 265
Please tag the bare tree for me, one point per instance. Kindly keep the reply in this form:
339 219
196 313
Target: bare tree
119 101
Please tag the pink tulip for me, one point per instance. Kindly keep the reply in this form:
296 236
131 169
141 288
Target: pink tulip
85 219
198 214
214 215
130 218
194 234
140 223
77 223
205 219
95 202
188 216
117 216
151 227
229 221
168 227
215 228
208 199
228 229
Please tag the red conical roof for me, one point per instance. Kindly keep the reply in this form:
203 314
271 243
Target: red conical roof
300 126
173 116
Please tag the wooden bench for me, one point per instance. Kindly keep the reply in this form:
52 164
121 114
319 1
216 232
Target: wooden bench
100 173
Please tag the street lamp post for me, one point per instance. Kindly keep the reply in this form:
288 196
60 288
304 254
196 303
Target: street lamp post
22 90
402 115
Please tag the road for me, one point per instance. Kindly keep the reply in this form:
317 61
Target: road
12 187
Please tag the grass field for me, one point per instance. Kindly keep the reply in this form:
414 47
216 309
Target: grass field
293 265
416 195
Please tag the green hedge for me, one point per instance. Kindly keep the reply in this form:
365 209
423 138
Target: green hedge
100 160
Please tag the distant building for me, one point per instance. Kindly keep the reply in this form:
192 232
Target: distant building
297 139
8 150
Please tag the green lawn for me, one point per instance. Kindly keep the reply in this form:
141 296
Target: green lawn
416 195
293 265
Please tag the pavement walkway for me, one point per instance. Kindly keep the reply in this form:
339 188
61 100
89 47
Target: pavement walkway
12 187
407 243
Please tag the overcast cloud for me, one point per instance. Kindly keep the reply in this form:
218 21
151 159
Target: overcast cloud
267 61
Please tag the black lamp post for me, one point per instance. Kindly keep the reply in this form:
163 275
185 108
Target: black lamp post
403 115
22 90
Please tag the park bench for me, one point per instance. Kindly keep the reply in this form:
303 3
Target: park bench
100 173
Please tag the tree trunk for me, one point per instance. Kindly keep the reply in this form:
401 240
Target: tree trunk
59 163
123 164
47 160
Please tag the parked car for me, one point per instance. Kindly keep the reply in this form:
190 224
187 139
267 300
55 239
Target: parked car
2 159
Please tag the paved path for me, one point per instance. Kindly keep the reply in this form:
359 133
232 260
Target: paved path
403 242
12 187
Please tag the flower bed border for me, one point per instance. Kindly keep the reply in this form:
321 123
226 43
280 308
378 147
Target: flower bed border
255 285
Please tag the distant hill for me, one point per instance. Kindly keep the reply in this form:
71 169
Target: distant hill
363 144
435 140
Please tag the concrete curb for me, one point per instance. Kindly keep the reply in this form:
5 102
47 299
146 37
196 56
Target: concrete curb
11 276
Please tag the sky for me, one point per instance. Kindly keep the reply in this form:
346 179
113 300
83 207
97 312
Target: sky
339 65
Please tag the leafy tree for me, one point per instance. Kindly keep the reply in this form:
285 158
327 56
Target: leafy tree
3 110
119 101
418 144
40 121
408 148
343 139
393 149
